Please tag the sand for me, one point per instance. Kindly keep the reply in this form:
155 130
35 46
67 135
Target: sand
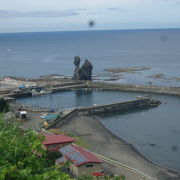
103 142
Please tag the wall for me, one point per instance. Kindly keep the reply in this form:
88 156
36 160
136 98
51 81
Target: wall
120 106
63 119
56 147
83 170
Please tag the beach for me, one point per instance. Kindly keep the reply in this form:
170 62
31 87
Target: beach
103 142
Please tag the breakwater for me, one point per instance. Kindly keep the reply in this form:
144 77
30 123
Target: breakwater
62 119
135 88
19 94
102 86
69 88
141 102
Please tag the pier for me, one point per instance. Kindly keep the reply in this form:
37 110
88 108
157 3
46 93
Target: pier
97 86
19 94
141 102
69 88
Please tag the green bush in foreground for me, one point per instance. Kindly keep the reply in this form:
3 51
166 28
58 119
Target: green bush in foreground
4 106
22 156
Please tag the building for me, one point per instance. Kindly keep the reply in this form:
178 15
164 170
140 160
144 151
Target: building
83 161
23 114
54 142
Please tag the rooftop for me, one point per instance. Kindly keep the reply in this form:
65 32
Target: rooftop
57 139
79 155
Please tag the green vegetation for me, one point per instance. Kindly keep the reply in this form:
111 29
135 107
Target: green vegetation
52 156
78 139
23 157
56 131
4 107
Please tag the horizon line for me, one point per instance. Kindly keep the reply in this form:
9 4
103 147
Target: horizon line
128 29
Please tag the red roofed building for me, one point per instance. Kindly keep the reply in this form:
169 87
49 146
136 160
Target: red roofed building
54 142
83 161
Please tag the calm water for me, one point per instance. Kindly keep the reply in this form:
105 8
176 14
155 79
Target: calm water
154 132
35 54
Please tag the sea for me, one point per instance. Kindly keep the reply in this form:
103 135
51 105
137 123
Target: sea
155 132
36 54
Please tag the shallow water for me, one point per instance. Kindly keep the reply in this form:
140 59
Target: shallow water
154 132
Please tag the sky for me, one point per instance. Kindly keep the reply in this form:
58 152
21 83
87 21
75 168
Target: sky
70 15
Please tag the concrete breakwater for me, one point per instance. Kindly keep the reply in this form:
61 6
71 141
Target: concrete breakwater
20 94
103 86
64 87
135 88
141 102
68 88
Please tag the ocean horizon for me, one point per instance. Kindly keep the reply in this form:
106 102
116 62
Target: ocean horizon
91 30
32 54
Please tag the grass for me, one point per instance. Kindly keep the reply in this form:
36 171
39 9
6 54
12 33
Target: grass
56 131
78 139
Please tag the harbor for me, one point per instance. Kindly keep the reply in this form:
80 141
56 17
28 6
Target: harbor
86 98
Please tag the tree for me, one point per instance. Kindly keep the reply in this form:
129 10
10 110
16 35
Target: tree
23 157
4 107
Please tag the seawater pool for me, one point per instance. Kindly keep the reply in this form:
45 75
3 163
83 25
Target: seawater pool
154 132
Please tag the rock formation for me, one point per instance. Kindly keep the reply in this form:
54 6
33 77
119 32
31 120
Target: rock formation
84 72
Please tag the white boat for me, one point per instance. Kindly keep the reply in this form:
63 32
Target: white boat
36 93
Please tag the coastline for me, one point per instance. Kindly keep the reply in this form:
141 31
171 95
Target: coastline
131 149
97 136
134 149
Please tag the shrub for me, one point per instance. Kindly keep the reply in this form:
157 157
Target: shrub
4 106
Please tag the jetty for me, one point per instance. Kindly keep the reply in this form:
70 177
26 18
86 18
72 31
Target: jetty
139 103
69 88
91 85
136 104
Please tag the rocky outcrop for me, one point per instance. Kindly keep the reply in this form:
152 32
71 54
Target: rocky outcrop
84 72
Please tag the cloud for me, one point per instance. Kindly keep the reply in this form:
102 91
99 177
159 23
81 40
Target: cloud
41 14
117 9
78 9
172 1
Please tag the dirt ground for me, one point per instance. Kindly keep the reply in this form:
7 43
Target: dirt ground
103 142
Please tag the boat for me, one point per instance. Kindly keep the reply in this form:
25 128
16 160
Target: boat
41 92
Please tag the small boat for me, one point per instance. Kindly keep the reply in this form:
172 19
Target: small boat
43 91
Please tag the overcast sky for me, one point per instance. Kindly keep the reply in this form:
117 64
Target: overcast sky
69 15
